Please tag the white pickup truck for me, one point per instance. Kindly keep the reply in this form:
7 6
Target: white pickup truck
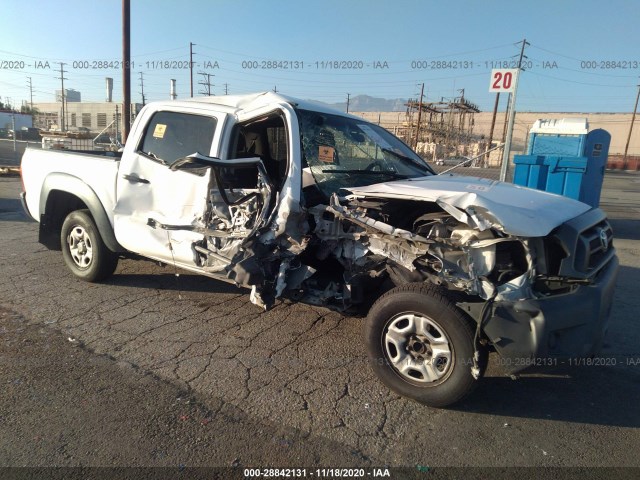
294 200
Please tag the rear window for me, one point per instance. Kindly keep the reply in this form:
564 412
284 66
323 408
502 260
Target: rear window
171 135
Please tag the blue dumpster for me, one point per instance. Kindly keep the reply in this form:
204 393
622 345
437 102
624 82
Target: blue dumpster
564 158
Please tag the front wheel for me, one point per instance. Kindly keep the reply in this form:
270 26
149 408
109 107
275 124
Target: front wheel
83 250
421 345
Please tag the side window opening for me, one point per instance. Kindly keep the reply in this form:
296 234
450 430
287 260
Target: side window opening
265 138
170 136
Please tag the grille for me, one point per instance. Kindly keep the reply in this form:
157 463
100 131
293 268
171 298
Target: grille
593 247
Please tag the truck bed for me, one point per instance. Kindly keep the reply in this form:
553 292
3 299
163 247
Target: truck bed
97 169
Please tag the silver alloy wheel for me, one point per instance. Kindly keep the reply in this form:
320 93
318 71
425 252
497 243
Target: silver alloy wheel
80 246
418 348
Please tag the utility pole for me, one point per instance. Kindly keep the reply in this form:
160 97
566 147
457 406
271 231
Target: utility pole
126 69
461 121
226 89
485 160
633 118
415 141
13 127
117 123
191 65
62 79
512 117
206 83
142 90
348 101
275 89
30 93
506 120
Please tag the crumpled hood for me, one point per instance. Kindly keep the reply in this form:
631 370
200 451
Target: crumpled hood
484 203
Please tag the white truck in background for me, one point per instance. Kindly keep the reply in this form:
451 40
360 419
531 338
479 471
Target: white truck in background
291 199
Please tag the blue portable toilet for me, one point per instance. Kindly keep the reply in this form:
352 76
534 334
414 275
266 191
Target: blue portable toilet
563 157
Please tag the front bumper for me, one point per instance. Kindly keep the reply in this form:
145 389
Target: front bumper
540 331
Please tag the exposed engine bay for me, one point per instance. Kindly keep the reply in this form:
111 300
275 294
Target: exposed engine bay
347 249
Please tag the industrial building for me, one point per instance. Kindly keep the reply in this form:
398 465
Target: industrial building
95 116
82 116
70 95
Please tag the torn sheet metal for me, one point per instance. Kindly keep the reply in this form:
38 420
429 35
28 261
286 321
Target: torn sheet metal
484 203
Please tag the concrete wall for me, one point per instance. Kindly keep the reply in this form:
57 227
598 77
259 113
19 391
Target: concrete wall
50 112
22 120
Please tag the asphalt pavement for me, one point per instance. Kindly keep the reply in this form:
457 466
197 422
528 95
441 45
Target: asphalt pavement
153 369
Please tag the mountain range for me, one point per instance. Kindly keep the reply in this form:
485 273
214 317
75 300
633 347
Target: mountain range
365 103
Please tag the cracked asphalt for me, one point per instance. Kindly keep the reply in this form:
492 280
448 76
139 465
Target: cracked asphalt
187 366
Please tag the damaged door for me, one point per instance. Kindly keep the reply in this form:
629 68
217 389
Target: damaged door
159 207
243 198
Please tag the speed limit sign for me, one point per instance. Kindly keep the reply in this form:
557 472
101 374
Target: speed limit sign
503 79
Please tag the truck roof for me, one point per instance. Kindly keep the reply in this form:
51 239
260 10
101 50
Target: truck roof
253 101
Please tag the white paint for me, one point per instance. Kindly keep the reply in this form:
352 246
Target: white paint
511 208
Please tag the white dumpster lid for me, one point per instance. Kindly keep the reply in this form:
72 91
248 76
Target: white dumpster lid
562 126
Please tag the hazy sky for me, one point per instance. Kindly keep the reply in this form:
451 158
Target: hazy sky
583 54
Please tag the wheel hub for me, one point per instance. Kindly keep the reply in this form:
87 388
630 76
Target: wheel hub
80 246
418 348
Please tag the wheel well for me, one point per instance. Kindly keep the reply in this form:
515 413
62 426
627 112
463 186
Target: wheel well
59 205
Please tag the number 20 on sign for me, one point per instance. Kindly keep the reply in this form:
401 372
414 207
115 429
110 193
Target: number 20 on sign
503 80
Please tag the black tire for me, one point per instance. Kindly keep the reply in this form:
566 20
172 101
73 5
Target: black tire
431 375
83 250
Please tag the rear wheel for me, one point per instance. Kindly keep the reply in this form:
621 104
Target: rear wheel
421 345
83 250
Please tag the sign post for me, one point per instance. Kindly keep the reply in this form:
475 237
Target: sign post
506 80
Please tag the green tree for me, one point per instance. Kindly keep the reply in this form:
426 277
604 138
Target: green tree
29 110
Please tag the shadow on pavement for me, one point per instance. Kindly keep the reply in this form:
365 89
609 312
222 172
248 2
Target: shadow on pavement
169 281
625 228
598 395
11 210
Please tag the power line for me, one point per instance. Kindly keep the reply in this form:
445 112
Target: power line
579 83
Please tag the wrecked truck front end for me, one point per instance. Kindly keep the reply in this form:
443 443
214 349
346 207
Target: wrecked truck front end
536 272
533 296
564 310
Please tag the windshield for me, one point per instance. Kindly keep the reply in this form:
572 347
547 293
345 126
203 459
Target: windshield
342 152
